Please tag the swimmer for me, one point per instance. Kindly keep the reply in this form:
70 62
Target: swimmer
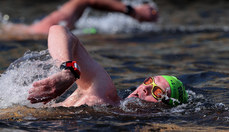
72 10
94 84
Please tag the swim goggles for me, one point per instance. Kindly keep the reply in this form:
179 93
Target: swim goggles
156 91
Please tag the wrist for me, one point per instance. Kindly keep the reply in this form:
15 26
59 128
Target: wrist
129 10
71 67
67 73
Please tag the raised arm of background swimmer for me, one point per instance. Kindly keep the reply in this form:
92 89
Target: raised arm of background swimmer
72 10
64 46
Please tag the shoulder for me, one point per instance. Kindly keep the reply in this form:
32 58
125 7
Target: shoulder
78 99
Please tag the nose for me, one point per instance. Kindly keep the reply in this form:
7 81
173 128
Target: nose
147 89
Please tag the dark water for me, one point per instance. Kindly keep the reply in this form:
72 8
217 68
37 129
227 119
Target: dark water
199 57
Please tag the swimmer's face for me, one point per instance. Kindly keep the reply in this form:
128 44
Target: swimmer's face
144 92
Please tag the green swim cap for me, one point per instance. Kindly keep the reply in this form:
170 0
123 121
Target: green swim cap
178 93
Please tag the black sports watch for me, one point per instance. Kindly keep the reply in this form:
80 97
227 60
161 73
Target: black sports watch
72 66
129 10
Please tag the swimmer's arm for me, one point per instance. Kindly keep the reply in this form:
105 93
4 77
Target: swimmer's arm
64 46
108 5
143 12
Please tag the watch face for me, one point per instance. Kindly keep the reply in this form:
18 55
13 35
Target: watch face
75 65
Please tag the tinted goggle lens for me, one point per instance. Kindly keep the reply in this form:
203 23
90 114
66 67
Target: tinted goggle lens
148 81
157 92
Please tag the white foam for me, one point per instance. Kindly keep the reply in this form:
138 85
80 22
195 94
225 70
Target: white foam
18 78
126 104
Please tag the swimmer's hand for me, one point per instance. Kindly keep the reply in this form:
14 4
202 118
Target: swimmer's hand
47 89
145 12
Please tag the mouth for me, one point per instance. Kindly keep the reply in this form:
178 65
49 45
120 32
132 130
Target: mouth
133 95
136 95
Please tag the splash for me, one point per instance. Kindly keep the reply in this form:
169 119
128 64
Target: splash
112 23
127 104
18 78
196 103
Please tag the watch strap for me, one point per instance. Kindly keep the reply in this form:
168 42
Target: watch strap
72 66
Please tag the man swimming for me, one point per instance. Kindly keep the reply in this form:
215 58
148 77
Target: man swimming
72 10
94 84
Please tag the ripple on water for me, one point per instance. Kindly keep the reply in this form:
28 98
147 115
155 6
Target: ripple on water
206 87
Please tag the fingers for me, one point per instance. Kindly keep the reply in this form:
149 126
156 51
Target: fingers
41 82
39 100
45 102
45 98
41 92
38 86
146 13
153 12
43 88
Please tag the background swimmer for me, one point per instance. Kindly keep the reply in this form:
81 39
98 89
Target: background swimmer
72 10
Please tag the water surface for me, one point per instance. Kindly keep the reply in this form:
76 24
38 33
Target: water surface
198 57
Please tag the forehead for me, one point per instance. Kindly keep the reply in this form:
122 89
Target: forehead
160 81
